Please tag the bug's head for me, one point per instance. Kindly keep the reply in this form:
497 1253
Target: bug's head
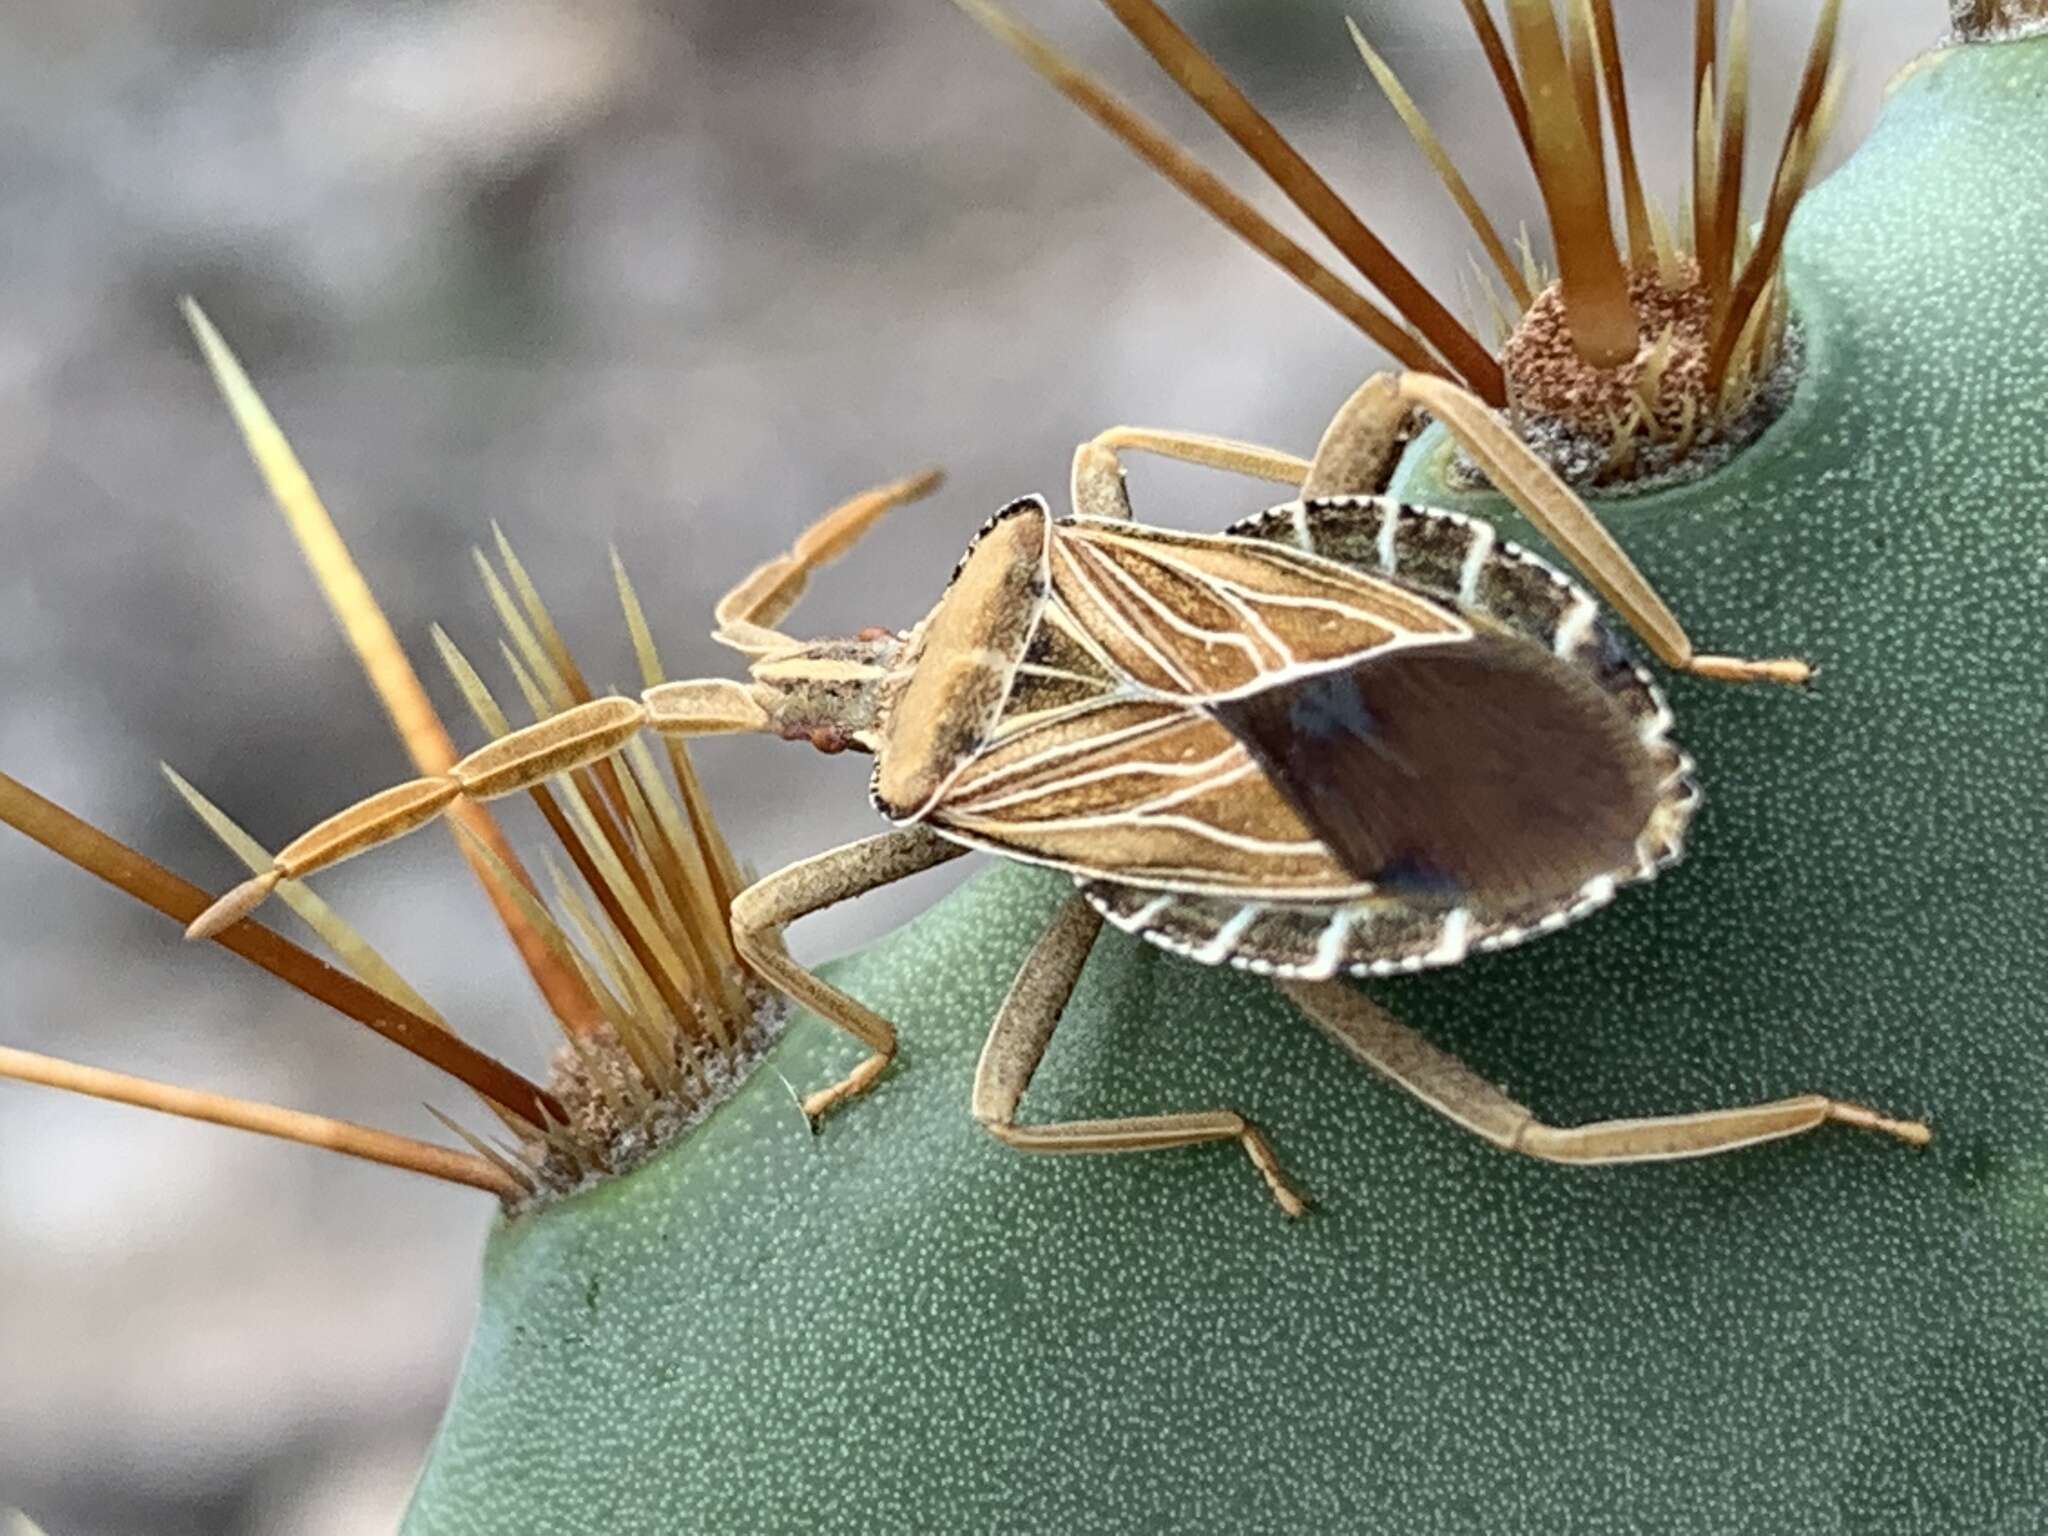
830 693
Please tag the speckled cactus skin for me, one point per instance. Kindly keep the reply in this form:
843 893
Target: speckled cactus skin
905 1326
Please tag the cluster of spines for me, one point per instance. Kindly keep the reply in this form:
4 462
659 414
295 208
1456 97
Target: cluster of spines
1998 18
1565 89
638 969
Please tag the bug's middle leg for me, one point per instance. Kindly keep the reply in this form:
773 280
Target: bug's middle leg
763 909
1016 1044
1367 1031
1098 480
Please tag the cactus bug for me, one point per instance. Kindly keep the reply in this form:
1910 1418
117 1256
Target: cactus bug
1344 736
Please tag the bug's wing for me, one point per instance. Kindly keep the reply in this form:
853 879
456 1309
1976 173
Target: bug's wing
1146 791
1481 770
1198 615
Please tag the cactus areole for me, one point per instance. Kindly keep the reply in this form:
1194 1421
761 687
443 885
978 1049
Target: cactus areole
901 1326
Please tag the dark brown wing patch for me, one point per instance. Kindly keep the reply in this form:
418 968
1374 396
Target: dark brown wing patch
1481 771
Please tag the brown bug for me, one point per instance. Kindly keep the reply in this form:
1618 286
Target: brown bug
1345 736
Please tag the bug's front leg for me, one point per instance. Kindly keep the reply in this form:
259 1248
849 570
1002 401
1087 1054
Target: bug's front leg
1367 1031
748 614
1016 1044
763 909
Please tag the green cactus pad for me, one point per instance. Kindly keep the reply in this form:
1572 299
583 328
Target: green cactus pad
904 1326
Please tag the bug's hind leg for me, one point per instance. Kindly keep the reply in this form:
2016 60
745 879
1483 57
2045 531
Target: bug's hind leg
1016 1044
763 909
1455 1091
1363 441
1098 481
1534 488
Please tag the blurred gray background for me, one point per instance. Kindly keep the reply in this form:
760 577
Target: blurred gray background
671 276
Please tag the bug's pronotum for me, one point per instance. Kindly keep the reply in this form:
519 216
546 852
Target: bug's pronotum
1345 736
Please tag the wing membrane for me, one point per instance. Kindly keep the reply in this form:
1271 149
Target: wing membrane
1483 770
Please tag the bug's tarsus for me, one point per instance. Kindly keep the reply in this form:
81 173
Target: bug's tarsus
1260 1151
1786 671
1914 1133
